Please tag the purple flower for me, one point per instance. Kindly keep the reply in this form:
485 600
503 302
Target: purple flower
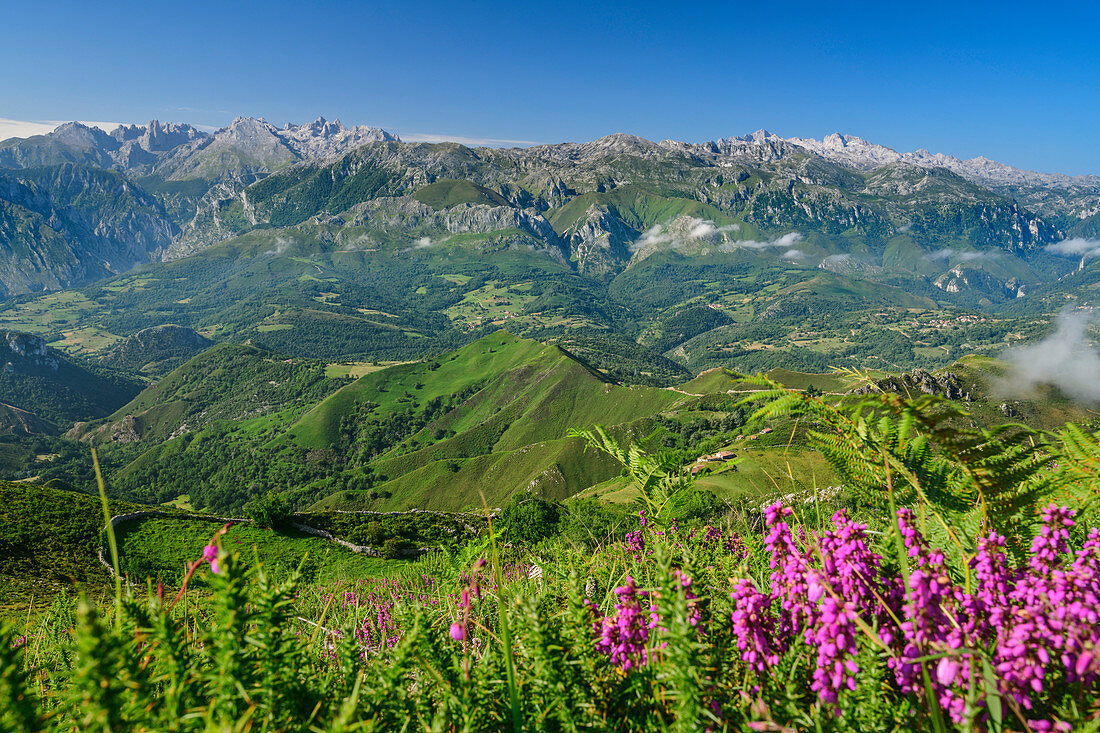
458 631
210 555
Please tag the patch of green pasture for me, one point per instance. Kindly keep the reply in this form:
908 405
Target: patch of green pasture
160 548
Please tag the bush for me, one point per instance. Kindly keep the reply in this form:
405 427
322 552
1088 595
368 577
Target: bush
394 546
589 523
372 534
529 520
270 510
696 504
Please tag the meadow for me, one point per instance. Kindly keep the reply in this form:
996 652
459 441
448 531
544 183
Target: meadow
950 583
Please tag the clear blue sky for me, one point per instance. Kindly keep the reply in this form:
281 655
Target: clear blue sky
1017 83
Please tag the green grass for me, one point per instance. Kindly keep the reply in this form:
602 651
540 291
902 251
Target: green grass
448 192
358 369
710 381
159 548
509 435
52 534
764 472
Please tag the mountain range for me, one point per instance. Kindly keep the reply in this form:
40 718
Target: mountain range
79 204
649 260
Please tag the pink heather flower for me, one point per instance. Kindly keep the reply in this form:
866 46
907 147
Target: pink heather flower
458 631
210 555
947 670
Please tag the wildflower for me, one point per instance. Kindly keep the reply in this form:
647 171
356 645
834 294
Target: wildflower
458 631
210 555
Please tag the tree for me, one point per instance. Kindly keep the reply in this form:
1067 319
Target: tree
269 510
529 519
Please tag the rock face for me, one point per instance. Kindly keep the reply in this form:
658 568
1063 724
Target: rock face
919 382
322 139
71 224
27 352
180 189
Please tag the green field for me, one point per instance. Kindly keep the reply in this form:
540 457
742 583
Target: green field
159 548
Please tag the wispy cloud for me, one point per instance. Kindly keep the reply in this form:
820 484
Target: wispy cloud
26 128
687 229
488 142
282 244
960 255
1076 247
680 231
786 242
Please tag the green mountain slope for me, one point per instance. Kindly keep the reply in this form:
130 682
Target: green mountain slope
493 418
157 350
224 382
36 379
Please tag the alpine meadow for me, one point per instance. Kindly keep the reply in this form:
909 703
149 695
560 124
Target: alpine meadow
543 397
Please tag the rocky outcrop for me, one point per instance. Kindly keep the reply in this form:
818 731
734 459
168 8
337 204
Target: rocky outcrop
600 241
322 139
960 279
946 384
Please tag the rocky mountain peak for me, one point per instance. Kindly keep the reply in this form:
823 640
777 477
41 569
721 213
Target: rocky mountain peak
324 139
80 135
157 136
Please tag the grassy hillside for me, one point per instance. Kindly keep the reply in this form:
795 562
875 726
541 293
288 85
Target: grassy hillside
490 419
448 192
159 548
225 382
51 534
459 430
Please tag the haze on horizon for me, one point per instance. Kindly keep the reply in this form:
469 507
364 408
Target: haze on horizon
1004 81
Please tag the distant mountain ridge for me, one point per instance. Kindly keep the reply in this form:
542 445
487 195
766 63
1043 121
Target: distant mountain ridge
167 191
147 148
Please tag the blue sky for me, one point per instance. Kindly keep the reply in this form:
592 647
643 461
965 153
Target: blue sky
1014 82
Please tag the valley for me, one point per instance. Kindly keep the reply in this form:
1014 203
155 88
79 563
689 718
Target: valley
328 370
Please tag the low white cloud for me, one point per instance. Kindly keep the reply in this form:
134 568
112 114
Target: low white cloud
960 255
650 237
487 142
793 254
282 244
27 128
836 259
422 243
1076 247
682 230
1067 359
703 229
784 242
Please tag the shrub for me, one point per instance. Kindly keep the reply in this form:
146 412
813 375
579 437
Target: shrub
696 504
394 547
529 520
270 510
